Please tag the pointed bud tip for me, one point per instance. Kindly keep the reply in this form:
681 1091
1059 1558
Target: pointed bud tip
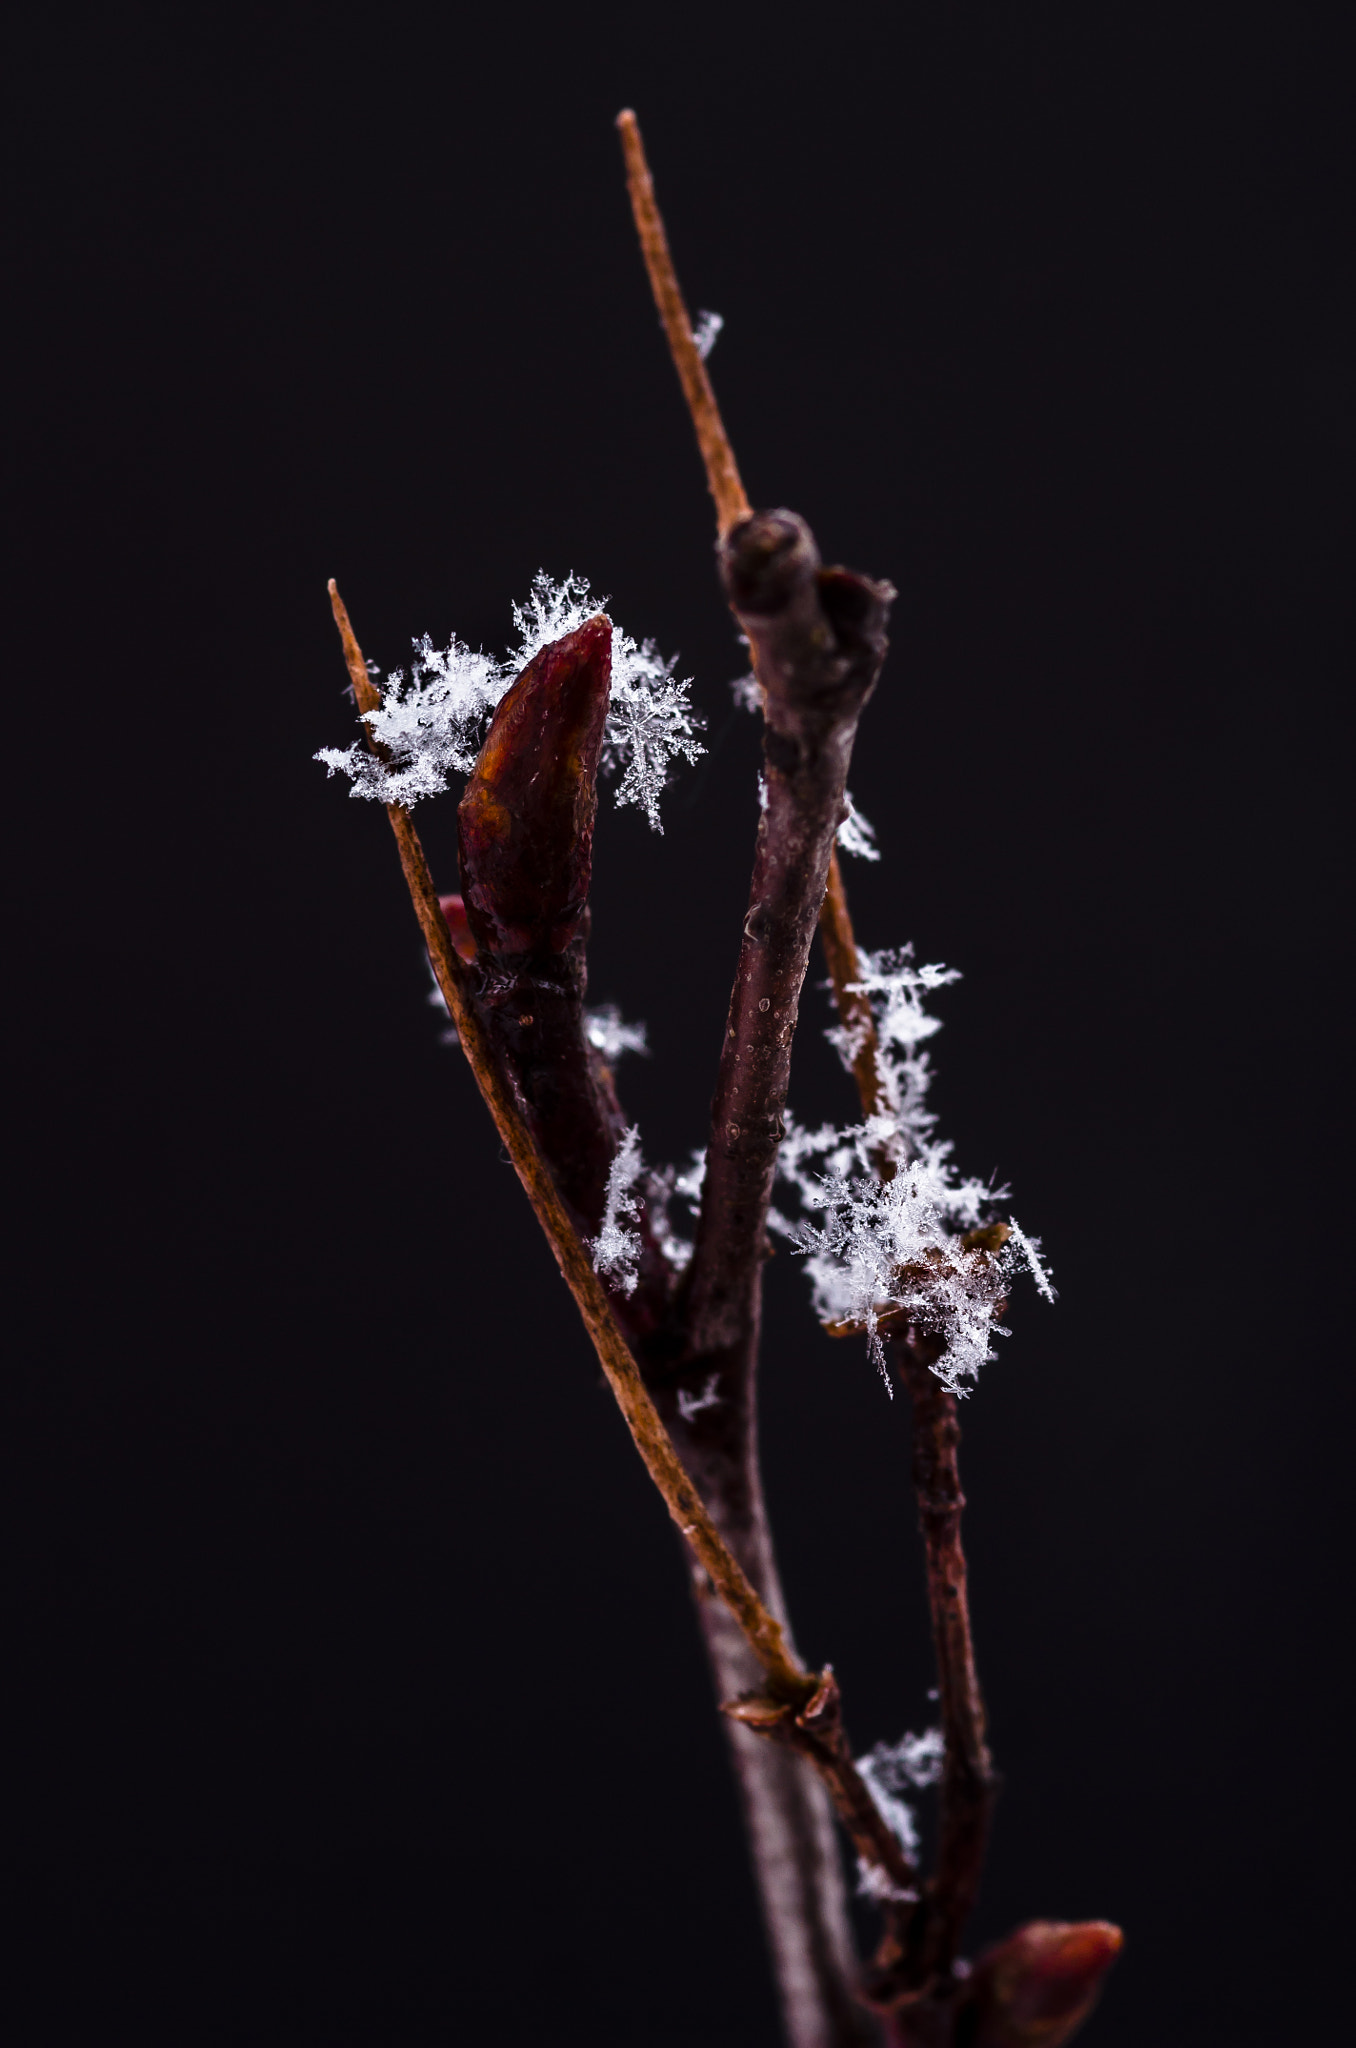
525 823
1038 1986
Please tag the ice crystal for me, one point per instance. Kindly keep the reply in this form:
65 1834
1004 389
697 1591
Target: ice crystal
896 1812
661 1186
607 1034
855 835
885 1213
706 331
747 692
875 1883
616 1249
694 1404
888 1771
913 1762
650 720
432 723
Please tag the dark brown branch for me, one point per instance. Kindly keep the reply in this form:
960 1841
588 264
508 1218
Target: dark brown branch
968 1786
818 637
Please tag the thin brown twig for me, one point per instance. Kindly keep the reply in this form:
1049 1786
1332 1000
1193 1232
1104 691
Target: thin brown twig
722 472
968 1786
854 1005
788 1681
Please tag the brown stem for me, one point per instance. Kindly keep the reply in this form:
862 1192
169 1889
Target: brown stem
819 640
787 1679
721 470
853 1004
968 1786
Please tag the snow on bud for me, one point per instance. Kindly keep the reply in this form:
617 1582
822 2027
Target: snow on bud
525 823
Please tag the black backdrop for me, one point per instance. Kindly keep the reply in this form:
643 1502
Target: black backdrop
353 1694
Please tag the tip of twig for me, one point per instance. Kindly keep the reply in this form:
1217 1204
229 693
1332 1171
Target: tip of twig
627 118
332 587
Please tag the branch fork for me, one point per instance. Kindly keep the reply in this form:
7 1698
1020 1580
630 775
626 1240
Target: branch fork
508 953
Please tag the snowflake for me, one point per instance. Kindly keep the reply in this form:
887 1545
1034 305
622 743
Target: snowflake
616 1250
432 725
889 1770
650 720
694 1404
606 1033
855 834
886 1219
661 1186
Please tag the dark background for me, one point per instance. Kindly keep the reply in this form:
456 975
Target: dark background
353 1694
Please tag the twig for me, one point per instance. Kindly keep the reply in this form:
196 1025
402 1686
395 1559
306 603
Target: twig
968 1787
853 1004
788 1681
818 638
722 473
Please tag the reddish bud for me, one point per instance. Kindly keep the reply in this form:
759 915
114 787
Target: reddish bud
454 910
1035 1989
525 824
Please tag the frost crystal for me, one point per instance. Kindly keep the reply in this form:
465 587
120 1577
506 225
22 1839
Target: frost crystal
855 835
616 1249
884 1211
432 724
607 1034
747 692
660 1188
889 1770
694 1404
705 332
911 1763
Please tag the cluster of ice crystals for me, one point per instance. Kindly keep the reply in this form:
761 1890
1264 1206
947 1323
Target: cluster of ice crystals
433 722
608 1035
661 1187
616 1249
855 834
910 1764
890 1770
884 1212
650 719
